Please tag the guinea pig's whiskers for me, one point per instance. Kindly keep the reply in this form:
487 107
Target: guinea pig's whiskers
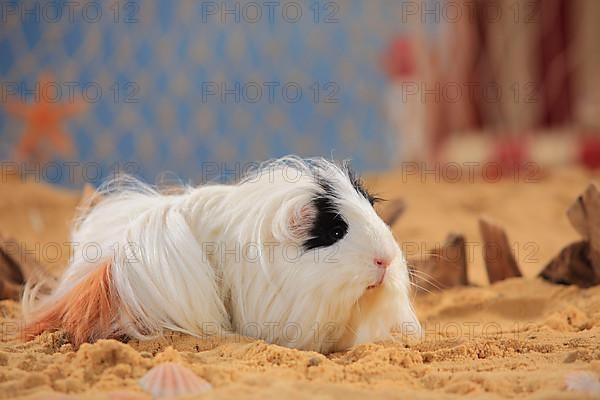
425 288
440 256
427 278
419 287
422 276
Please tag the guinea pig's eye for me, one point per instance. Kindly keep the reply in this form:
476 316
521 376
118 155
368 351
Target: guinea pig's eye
328 226
337 232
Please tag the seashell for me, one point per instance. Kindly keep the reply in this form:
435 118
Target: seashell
170 380
583 382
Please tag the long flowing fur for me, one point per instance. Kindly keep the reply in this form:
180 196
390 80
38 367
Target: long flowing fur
224 258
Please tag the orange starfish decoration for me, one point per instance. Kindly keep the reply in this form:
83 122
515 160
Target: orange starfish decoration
44 120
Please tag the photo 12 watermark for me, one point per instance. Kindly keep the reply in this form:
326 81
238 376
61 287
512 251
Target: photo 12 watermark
53 12
470 92
452 12
525 252
68 92
269 92
66 171
253 12
470 172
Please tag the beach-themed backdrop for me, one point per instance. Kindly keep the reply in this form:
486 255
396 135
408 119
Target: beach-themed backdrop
203 90
171 86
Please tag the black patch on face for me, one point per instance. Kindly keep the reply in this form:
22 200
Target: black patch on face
328 227
358 185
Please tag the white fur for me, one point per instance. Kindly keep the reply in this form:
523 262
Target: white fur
188 262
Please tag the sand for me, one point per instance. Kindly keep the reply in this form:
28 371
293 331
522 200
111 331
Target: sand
518 338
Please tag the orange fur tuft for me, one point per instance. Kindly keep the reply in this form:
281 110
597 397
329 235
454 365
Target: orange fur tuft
85 313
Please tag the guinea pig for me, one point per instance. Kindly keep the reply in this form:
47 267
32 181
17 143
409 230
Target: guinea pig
293 254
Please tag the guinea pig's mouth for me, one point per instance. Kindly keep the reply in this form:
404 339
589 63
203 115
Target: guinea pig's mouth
380 278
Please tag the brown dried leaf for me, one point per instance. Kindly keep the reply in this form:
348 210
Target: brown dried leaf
497 254
579 263
391 211
16 269
572 266
444 268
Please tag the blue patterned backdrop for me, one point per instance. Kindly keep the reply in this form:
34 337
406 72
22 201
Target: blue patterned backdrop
180 81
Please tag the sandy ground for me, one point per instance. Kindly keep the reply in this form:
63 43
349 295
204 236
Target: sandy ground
517 338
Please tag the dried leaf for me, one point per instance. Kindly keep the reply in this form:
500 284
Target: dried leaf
16 269
444 268
391 211
579 263
499 260
572 266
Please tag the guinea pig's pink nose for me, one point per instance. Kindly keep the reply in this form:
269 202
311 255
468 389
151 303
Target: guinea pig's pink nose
381 262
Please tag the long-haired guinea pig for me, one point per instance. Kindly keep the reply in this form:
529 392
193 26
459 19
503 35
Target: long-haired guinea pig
293 254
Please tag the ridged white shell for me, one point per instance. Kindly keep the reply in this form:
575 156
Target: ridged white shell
583 382
170 380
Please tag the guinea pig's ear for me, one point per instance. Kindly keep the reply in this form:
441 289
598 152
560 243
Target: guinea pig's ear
301 220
